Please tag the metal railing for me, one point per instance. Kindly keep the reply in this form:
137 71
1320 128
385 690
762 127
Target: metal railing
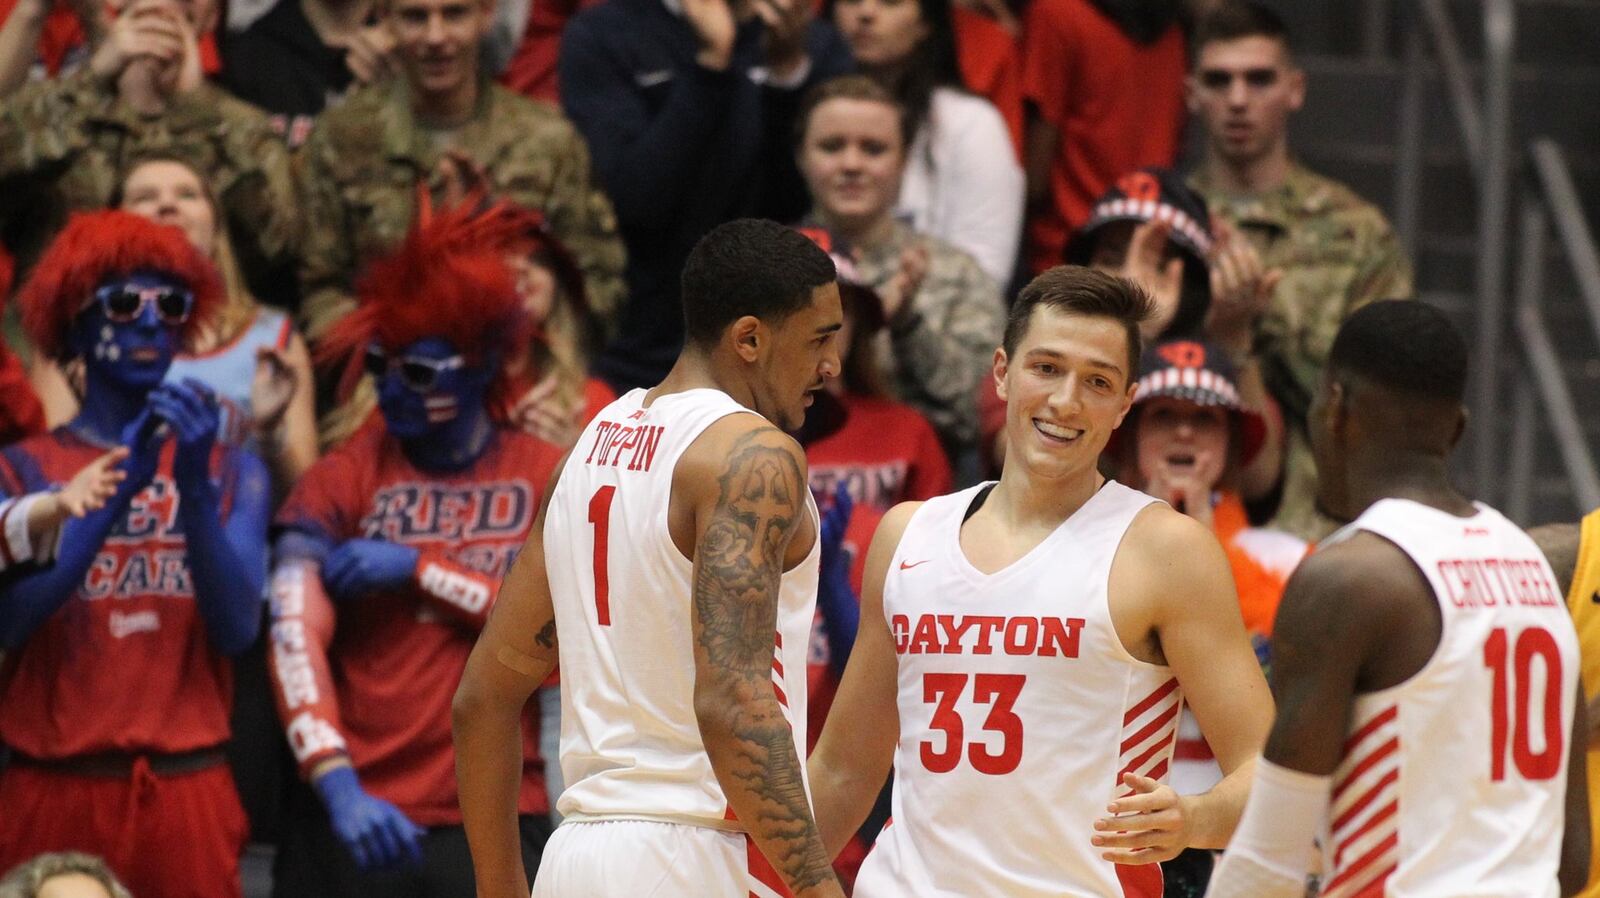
1550 200
1484 122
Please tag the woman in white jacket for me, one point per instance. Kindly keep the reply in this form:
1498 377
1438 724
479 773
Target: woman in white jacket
962 180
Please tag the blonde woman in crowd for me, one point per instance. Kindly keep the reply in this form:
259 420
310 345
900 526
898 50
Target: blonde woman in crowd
68 874
251 356
943 315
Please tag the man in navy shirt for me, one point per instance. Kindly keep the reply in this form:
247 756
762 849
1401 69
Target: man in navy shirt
688 107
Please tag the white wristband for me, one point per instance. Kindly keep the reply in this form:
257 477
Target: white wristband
1272 846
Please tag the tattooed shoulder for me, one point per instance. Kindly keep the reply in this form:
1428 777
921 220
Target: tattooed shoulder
739 558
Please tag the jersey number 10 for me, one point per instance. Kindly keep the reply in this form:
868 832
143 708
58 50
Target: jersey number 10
1506 727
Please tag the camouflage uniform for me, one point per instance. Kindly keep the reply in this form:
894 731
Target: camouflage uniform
358 172
1337 253
939 346
64 146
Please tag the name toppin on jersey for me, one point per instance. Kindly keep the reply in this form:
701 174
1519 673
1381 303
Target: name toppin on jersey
613 442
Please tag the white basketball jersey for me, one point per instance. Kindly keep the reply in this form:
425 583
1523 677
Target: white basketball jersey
630 743
1020 710
1453 783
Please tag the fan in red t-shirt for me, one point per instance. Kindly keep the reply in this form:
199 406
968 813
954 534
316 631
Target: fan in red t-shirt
1102 81
390 554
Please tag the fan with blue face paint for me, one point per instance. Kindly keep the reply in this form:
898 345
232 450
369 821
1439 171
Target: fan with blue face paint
117 650
125 355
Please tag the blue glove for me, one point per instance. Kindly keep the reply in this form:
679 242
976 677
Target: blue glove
374 831
841 609
190 408
143 436
835 521
362 566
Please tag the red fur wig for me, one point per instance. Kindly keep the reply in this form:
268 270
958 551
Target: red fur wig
448 279
96 247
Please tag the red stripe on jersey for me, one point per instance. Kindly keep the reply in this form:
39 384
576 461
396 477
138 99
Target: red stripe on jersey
1387 811
1368 729
777 639
760 870
1370 796
1344 878
1139 880
1375 888
778 691
1158 771
1165 718
1149 702
1134 765
777 667
1367 763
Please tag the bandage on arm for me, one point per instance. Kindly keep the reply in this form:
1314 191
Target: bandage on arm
1268 856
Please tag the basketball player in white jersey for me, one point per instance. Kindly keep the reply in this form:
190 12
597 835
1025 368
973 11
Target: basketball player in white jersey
1425 668
677 561
1025 648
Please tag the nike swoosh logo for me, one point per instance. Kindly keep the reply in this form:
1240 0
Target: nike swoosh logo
906 567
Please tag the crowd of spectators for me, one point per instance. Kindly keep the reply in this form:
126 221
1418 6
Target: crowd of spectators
307 297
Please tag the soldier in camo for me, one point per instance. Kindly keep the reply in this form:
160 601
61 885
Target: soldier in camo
444 126
1333 251
64 144
940 341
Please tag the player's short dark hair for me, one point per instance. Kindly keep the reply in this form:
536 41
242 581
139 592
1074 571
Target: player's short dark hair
1234 20
1405 346
749 266
1076 290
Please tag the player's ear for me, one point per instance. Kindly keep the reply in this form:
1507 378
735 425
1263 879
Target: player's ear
1127 404
1461 427
1297 87
1338 408
747 336
1001 365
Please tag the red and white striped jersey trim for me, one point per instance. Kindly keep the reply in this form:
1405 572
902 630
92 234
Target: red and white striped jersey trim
761 879
1149 729
777 678
1365 830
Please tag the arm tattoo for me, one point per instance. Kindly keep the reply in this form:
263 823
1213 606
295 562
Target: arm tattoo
740 557
547 635
739 565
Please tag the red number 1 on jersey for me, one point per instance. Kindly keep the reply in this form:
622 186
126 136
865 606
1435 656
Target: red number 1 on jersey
1514 729
600 517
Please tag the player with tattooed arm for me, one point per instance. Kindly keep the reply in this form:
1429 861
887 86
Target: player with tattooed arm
1424 665
677 560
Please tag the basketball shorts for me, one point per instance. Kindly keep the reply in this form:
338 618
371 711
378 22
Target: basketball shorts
647 859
